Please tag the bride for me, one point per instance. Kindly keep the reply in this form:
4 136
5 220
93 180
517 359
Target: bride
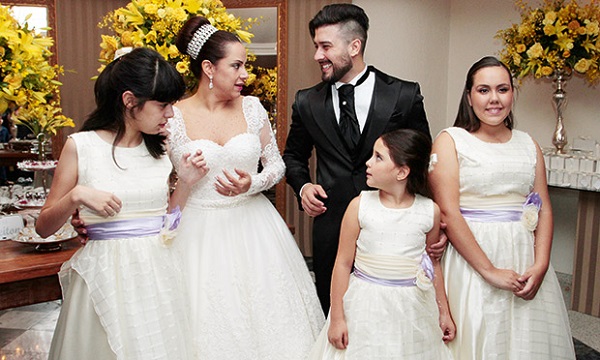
252 296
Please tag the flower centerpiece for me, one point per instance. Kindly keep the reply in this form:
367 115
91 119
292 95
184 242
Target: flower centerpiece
156 23
263 84
556 39
27 79
556 36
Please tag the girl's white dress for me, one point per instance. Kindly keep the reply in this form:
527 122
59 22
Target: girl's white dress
493 323
252 296
389 322
123 298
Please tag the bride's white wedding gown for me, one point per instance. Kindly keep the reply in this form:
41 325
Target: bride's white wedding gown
252 296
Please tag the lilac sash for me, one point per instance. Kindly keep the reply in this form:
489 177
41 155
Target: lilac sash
426 265
385 282
491 215
131 228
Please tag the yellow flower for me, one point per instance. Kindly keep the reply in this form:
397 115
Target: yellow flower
150 8
535 51
182 67
549 18
582 66
150 36
547 71
520 48
591 28
126 39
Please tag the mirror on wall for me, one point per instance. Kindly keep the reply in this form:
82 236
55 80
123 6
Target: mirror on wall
41 15
270 47
41 11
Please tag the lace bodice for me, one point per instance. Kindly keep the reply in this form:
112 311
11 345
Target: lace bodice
494 175
243 151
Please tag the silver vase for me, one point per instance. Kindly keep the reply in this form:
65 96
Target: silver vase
559 97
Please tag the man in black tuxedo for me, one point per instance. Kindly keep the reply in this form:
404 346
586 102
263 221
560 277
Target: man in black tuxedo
323 119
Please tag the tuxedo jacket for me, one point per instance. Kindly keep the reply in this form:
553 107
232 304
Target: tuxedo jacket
395 104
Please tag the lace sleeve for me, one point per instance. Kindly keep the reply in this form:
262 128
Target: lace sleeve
270 158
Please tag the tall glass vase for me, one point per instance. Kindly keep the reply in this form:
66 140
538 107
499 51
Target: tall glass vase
559 100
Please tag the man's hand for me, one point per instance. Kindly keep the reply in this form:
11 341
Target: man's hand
436 250
79 227
311 199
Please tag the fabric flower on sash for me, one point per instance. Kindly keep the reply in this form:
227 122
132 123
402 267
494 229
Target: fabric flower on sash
424 276
531 208
169 229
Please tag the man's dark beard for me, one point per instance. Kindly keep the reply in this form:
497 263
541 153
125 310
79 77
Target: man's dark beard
338 72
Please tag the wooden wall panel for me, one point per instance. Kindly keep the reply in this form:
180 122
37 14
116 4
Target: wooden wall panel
585 296
78 40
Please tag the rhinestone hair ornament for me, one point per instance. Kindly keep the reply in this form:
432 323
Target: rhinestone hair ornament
199 39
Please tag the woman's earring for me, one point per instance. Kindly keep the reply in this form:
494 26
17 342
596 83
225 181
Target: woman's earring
210 84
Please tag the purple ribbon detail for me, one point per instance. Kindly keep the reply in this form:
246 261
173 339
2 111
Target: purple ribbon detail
533 199
427 266
491 215
173 218
147 226
385 282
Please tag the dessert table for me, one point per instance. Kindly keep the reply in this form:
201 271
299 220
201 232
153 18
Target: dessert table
11 157
28 276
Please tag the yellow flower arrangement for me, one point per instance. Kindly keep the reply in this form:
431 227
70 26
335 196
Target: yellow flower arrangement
557 36
27 79
156 23
263 84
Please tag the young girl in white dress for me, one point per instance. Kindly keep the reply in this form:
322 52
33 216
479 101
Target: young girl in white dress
123 292
490 184
387 296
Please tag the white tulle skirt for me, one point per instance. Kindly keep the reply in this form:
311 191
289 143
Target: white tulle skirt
493 323
251 293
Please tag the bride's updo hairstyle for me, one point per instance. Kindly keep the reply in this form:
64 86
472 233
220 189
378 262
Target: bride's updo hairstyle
211 43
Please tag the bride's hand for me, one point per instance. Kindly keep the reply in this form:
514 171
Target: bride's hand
232 185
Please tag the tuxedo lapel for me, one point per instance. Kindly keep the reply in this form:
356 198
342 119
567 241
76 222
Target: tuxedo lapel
324 115
382 106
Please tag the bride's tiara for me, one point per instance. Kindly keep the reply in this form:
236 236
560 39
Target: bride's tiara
199 39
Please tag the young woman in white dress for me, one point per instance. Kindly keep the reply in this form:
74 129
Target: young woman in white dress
250 290
123 291
387 295
490 183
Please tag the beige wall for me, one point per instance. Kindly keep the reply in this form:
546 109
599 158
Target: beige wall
435 42
78 40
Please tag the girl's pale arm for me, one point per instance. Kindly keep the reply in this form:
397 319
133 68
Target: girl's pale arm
445 181
338 330
534 275
446 322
